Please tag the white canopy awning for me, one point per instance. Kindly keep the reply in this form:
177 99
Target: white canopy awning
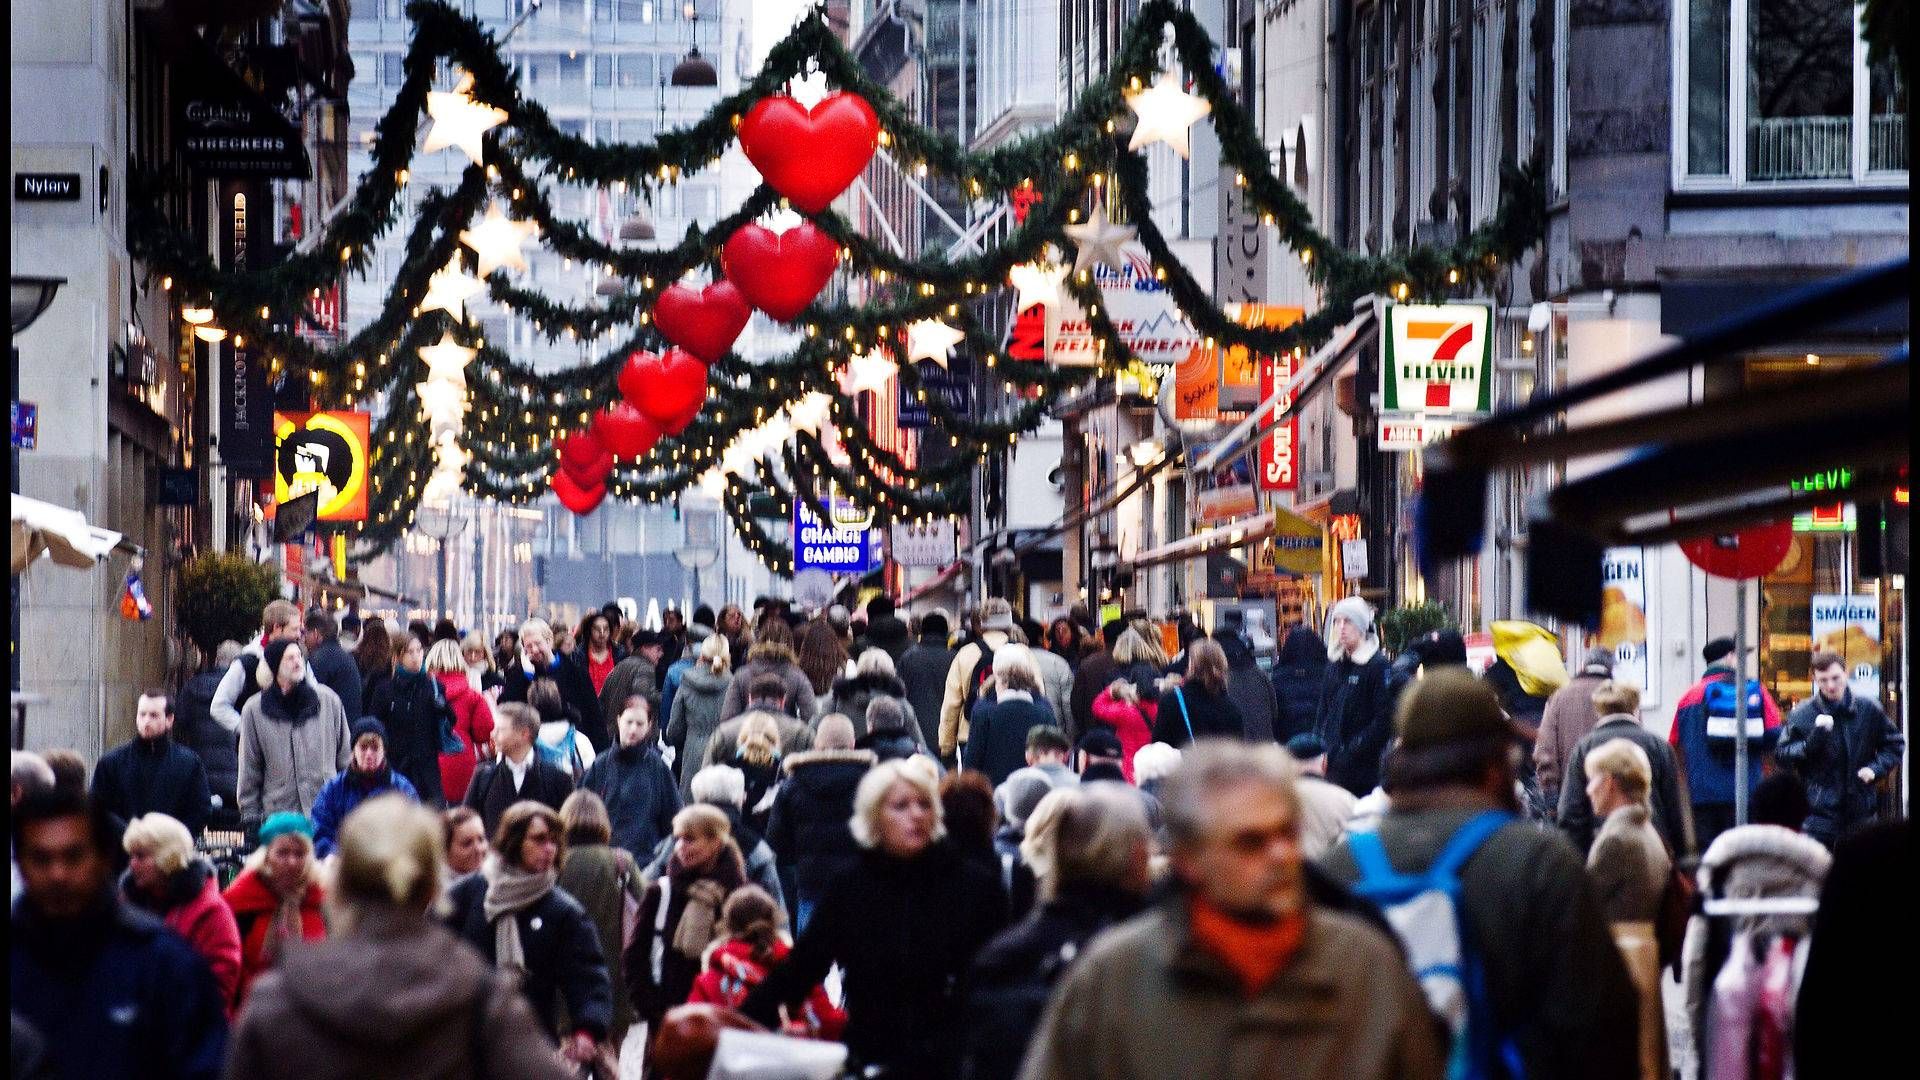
1233 534
64 534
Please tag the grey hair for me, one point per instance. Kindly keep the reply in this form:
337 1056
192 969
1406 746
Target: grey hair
31 773
1212 766
1154 761
163 837
875 662
721 785
1014 668
886 714
1087 834
872 792
536 627
227 652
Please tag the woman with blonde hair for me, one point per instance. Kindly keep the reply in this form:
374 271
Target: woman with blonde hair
392 993
698 706
481 675
276 900
606 881
901 923
472 715
167 878
1629 862
680 914
756 754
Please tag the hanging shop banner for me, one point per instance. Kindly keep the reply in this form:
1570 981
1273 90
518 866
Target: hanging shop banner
1849 627
1225 494
931 545
246 413
1623 614
1279 454
840 548
1297 544
1196 386
1436 366
322 322
226 128
955 389
1141 309
325 452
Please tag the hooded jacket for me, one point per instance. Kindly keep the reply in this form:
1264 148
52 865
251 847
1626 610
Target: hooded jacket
732 973
1129 722
1709 770
1352 716
290 746
1248 688
923 669
770 658
149 775
808 828
344 794
193 909
697 707
1830 759
398 996
253 904
412 705
473 725
640 794
851 694
1298 671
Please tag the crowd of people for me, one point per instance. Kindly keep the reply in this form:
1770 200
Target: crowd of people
981 850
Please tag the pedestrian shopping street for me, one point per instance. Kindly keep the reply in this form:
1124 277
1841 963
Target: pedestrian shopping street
959 538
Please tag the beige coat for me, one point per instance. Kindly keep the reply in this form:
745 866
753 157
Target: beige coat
1568 716
953 707
1629 866
1144 1003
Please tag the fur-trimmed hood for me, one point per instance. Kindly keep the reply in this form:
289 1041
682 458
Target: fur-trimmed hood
853 686
772 652
815 757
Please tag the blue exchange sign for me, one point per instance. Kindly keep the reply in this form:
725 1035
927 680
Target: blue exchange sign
817 546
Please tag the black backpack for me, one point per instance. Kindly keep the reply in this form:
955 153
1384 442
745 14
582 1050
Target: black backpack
250 664
982 671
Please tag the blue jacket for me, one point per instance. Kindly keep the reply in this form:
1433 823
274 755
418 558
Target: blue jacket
641 797
117 994
336 669
339 798
1709 768
997 734
668 686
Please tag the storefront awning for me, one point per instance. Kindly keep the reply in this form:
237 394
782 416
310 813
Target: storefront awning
1233 534
64 535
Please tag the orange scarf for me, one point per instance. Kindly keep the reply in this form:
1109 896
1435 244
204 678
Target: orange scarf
1255 953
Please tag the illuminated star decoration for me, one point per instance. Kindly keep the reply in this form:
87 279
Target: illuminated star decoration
448 290
1164 113
447 360
870 371
498 239
1100 241
460 121
810 412
931 339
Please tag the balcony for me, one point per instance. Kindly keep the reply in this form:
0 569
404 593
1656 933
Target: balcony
1887 143
1800 148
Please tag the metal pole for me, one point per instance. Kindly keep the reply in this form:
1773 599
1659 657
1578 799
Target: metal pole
440 597
1740 764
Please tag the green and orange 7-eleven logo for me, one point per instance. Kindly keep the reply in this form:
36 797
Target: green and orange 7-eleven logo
1436 358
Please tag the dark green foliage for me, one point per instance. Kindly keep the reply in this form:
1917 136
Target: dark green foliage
221 596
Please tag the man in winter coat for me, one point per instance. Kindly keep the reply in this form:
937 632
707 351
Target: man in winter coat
775 658
638 675
636 785
1618 706
153 773
885 631
1351 717
1556 985
1298 670
697 635
1706 758
1841 744
293 737
331 663
1239 968
217 747
110 989
1569 715
537 659
279 621
1096 672
808 829
516 772
923 667
367 776
996 626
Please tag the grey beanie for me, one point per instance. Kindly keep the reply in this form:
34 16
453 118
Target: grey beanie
1599 661
1020 793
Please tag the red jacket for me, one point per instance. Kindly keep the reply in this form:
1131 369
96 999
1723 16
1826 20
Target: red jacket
198 914
1129 722
731 973
472 724
253 903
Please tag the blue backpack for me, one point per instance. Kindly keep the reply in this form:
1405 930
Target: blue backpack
1722 729
1424 910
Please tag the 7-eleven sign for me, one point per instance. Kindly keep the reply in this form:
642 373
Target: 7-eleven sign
1436 360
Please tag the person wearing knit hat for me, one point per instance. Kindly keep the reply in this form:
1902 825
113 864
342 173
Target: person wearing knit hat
1548 965
1706 757
294 737
1568 717
367 776
277 898
1353 717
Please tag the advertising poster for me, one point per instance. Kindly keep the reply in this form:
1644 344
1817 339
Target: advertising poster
1226 494
840 548
1148 320
1623 614
1850 627
324 452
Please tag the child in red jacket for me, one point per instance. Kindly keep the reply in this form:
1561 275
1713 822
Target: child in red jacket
751 948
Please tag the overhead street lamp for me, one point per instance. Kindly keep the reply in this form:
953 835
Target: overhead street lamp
31 297
694 69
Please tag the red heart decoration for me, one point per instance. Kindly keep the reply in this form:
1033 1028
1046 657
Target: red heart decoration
577 497
664 386
780 273
810 156
625 430
584 458
704 322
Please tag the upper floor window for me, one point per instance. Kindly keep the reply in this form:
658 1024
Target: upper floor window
1780 91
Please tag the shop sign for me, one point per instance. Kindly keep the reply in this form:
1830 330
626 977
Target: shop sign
843 547
1835 518
1849 627
931 545
1623 614
246 400
26 425
954 389
1353 558
1480 654
1297 544
326 452
1436 364
225 128
1225 494
1279 454
1143 312
46 187
322 322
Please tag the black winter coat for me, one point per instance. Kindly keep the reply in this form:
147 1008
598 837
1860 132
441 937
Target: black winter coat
888 634
1016 972
562 949
576 689
852 695
1093 674
997 734
640 794
808 829
1249 688
492 789
1352 719
923 668
890 745
1210 714
1297 675
149 776
1829 761
336 670
412 705
905 931
217 748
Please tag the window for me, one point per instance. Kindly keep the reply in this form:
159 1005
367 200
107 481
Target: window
392 69
573 69
1780 91
634 69
635 11
575 128
602 132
